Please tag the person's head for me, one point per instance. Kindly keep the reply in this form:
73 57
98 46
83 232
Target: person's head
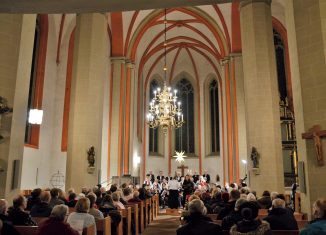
45 196
62 194
3 207
251 197
54 193
274 195
113 188
115 196
319 209
107 199
238 203
36 192
234 195
225 197
59 212
281 196
82 205
249 211
19 202
72 196
266 194
126 191
71 190
124 185
278 203
136 194
196 206
193 197
92 199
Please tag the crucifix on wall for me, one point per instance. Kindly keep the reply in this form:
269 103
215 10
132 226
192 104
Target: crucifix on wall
182 167
315 133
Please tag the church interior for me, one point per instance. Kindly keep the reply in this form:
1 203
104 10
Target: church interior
81 86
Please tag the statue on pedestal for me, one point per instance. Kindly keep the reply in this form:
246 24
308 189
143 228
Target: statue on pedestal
254 156
91 160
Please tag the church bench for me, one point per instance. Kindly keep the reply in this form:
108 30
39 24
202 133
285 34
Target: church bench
39 220
302 223
126 218
148 210
26 230
103 226
141 216
90 230
152 206
135 217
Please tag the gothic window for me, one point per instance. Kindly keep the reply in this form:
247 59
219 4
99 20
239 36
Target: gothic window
33 76
153 133
214 116
184 136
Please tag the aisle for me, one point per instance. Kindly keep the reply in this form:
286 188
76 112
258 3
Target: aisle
163 225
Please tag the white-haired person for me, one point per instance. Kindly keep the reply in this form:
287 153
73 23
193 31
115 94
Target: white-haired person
56 223
318 225
81 219
197 222
281 218
7 227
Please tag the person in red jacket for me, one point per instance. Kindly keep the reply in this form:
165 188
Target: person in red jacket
56 223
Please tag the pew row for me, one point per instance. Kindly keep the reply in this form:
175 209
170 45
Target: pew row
32 230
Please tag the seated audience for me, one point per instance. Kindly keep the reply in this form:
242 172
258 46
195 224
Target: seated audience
81 219
62 196
265 202
234 217
99 196
116 200
43 208
93 211
280 218
318 225
229 206
107 205
55 197
7 227
16 213
34 198
249 224
198 223
135 198
72 200
127 194
56 223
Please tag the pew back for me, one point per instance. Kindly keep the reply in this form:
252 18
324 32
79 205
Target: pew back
26 230
103 226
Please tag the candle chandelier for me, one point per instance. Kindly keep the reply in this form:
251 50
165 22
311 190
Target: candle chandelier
164 109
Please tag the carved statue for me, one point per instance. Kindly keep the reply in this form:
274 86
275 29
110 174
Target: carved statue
255 157
4 109
91 156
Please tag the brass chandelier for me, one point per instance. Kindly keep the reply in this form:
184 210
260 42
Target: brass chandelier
164 109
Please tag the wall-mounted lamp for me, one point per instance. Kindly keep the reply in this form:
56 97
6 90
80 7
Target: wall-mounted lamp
35 116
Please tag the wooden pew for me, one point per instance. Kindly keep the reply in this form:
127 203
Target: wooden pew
148 210
103 226
157 204
152 208
27 230
126 215
141 216
90 230
135 216
302 223
39 220
120 226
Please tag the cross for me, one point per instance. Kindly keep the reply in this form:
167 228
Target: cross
182 167
315 133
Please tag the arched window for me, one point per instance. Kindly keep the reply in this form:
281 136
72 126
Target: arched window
35 95
184 136
153 133
214 116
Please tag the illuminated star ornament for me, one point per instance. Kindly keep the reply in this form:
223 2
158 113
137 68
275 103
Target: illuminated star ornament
179 156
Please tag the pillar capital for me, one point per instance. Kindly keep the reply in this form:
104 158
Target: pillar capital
118 60
225 60
244 3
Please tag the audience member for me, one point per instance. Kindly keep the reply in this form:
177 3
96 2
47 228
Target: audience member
198 223
93 211
81 219
107 205
135 198
318 225
56 223
280 218
16 213
72 200
229 206
234 216
55 197
7 227
249 224
34 198
43 208
265 202
116 200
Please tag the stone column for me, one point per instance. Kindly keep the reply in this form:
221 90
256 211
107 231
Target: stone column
306 30
86 103
261 95
117 115
240 135
16 46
